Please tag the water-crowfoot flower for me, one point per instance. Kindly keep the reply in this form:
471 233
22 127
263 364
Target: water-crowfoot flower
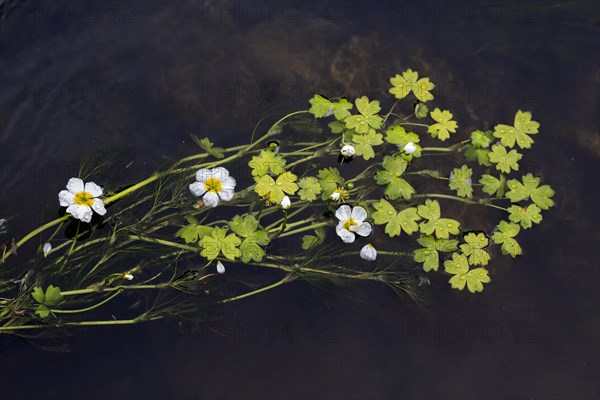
409 148
80 199
128 276
348 151
215 184
368 252
351 222
286 202
220 268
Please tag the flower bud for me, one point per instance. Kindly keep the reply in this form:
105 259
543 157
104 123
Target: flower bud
220 268
348 150
286 203
409 148
368 252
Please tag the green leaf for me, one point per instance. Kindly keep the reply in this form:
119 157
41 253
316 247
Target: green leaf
404 220
397 135
519 133
243 226
265 162
460 180
540 195
473 279
251 249
473 248
393 168
444 125
320 106
206 144
505 236
504 161
323 107
493 185
526 216
43 311
368 118
482 140
409 82
481 156
442 227
363 143
193 232
421 110
53 296
309 188
310 241
429 254
218 242
329 179
38 294
276 190
336 126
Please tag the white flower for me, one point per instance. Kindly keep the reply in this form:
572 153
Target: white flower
80 199
220 268
46 249
335 196
128 276
215 184
410 148
286 203
352 222
348 150
368 252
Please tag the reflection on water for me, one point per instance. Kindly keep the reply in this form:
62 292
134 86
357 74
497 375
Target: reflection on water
141 77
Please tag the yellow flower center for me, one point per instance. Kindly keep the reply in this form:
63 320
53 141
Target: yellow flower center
83 199
213 185
349 222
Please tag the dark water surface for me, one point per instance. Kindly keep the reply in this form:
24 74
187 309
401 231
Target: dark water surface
140 76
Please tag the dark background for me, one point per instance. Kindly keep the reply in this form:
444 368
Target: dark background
77 77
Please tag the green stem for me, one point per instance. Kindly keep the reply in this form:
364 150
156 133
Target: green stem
461 199
263 289
306 228
81 323
165 243
34 233
118 292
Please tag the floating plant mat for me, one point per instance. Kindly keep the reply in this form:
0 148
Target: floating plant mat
344 191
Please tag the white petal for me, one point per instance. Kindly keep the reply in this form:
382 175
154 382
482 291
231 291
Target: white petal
98 206
286 202
368 253
65 198
339 227
197 188
226 194
93 189
347 236
343 213
203 174
210 199
75 185
359 214
228 183
220 173
83 213
47 249
220 267
363 229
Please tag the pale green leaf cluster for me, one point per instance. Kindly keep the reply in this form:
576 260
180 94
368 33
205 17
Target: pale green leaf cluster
479 149
474 248
442 227
429 255
505 161
408 82
329 180
310 188
519 133
492 185
323 107
267 161
443 126
505 236
275 189
51 298
252 237
460 180
390 175
530 187
219 242
395 222
367 119
363 144
473 279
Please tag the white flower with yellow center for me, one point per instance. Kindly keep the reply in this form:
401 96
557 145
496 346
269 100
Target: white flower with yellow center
351 222
80 199
215 184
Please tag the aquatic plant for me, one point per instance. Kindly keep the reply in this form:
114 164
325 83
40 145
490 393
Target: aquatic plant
164 247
